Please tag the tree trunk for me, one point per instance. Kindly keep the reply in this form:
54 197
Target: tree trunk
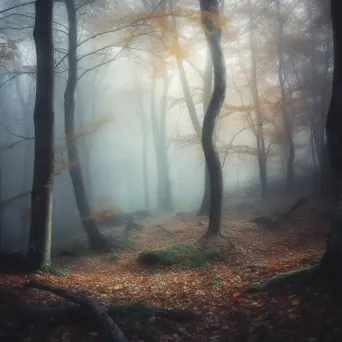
213 36
324 168
1 199
207 91
27 162
96 240
167 194
262 157
144 164
285 114
316 115
142 118
41 199
332 259
156 140
204 209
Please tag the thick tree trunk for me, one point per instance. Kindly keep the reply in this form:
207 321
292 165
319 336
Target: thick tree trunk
96 240
285 114
213 36
41 200
262 157
332 259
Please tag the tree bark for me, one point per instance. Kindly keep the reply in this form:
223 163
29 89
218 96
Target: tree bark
332 259
41 199
285 114
262 157
207 91
96 240
213 37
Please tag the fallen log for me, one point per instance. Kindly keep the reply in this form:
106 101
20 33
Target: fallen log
71 313
94 309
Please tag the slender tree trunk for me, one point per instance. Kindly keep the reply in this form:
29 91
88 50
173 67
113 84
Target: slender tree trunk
213 36
205 204
96 240
262 157
41 199
324 168
156 140
207 91
142 118
27 162
145 164
285 114
332 259
167 194
316 115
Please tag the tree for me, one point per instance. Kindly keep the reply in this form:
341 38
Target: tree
332 259
212 31
261 149
96 240
41 199
285 112
204 209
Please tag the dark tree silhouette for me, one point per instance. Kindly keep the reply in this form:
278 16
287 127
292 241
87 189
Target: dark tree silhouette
212 31
41 199
332 259
96 240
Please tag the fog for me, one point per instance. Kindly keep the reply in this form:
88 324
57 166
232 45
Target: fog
114 104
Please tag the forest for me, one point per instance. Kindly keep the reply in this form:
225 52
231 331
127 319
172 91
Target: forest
170 170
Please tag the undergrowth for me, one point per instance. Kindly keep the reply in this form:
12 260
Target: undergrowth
183 255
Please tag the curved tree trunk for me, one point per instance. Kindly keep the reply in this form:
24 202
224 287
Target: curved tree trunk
96 240
41 199
285 114
207 91
205 204
213 36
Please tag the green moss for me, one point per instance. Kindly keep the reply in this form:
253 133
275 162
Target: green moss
294 278
178 254
53 271
218 281
315 260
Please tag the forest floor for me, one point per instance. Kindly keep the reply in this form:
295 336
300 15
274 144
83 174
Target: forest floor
225 313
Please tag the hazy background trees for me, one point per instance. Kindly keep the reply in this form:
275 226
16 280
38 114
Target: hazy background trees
143 80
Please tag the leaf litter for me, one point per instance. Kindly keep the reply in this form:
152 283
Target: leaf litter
226 312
